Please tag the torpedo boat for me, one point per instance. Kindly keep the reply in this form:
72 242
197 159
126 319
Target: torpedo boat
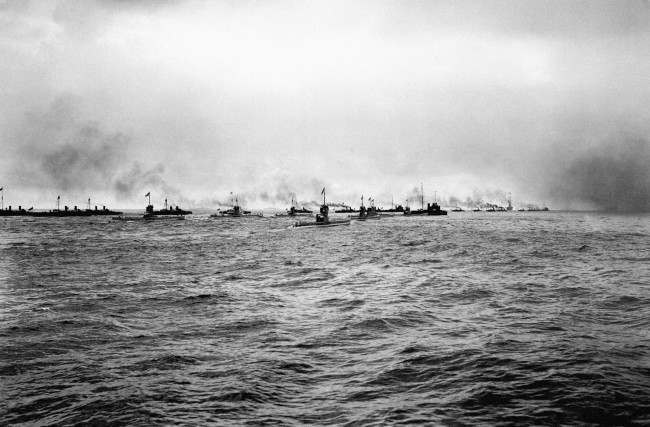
294 211
12 212
58 212
432 208
169 210
235 212
346 209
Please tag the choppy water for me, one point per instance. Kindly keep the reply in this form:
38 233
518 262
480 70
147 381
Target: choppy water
527 318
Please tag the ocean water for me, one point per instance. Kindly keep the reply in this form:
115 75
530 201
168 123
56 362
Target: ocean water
474 318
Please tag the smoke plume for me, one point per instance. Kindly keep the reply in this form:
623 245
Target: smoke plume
62 153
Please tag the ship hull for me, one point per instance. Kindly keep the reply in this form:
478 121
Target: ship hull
332 223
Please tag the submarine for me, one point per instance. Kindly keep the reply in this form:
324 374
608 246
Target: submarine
322 218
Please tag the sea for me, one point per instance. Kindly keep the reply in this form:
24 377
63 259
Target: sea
486 318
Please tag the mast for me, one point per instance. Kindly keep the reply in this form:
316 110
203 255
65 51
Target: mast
165 203
362 200
58 202
148 195
2 198
88 203
323 192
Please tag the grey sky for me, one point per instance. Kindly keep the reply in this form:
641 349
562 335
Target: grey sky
548 100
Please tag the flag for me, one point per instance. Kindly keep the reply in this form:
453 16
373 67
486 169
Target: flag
148 194
323 191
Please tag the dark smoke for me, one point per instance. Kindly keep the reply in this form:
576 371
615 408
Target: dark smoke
64 153
87 158
615 178
132 182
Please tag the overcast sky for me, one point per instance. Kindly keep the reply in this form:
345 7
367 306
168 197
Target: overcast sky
194 100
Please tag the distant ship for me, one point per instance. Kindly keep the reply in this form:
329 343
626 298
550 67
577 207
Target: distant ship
67 212
362 212
432 208
322 218
235 212
398 208
11 212
366 213
346 209
169 210
371 211
294 211
167 213
458 209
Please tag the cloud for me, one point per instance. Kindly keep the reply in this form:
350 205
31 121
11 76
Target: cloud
614 177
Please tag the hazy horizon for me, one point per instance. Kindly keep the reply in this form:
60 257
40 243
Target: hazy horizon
193 100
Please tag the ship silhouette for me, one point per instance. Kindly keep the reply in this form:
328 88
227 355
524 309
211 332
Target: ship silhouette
322 218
